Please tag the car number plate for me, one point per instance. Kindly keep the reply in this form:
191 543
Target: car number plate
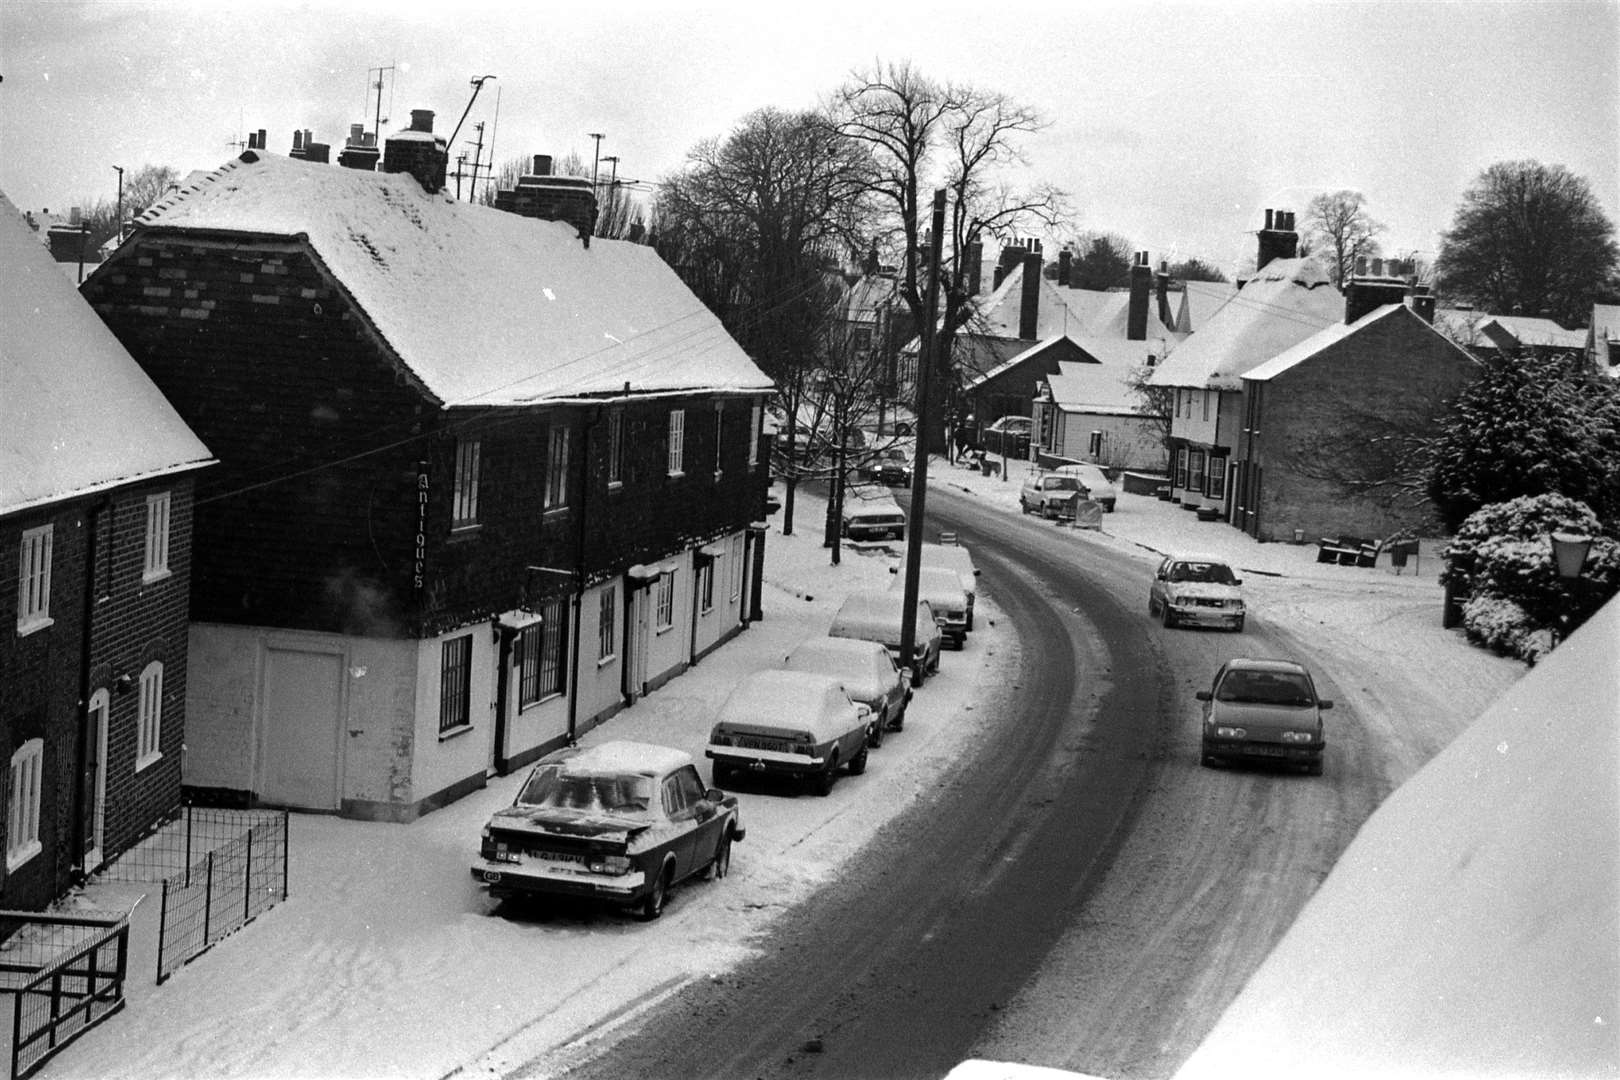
747 743
1266 751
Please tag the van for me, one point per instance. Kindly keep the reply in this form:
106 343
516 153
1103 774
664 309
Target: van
875 615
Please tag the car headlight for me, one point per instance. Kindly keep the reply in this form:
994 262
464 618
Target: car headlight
1231 732
1299 736
609 864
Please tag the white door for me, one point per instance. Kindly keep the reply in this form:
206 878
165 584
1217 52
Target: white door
303 698
635 642
95 779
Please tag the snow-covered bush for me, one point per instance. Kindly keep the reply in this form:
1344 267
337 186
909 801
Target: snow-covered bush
1501 559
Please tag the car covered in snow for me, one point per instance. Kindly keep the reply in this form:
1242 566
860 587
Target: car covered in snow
1197 590
867 673
621 822
1093 481
951 556
1264 710
877 615
872 514
792 724
946 598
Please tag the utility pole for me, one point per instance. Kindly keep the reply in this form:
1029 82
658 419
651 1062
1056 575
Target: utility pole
378 117
919 472
120 169
596 161
613 189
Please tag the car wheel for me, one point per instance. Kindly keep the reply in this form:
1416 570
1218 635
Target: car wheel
934 668
857 764
1024 506
1314 768
877 730
721 866
1169 617
1238 626
1209 760
652 905
919 675
828 776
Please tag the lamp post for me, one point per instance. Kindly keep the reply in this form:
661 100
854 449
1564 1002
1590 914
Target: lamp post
1569 551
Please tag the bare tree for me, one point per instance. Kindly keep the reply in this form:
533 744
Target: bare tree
924 134
1337 224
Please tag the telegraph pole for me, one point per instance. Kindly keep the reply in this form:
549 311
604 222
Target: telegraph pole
919 472
120 169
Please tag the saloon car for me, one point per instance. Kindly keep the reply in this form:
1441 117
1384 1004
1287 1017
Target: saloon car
867 673
872 515
621 822
877 615
1196 590
890 466
1264 710
792 724
946 598
955 557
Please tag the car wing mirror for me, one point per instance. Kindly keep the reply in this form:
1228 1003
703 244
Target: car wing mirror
1237 581
714 795
1203 695
1324 703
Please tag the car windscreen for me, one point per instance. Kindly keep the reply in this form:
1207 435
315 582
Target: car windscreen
1208 573
628 794
1265 688
1060 483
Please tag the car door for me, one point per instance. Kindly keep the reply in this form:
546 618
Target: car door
1156 591
683 813
706 817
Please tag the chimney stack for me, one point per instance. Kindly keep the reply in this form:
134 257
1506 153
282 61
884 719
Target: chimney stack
1065 259
1278 240
418 151
360 152
1162 281
1029 308
975 266
1371 288
552 198
1141 286
1423 303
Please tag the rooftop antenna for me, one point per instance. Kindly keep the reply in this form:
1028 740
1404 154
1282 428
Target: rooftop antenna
378 118
493 128
478 82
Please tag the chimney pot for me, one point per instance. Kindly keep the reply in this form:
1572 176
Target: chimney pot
1268 219
542 165
422 120
1029 309
1136 312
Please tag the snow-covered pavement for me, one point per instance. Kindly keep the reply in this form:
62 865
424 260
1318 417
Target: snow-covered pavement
386 959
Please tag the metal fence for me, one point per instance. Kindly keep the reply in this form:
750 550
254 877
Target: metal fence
219 868
65 974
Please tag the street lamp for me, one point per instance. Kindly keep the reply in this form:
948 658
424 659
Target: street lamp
1569 552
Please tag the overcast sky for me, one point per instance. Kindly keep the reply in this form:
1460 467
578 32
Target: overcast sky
1174 125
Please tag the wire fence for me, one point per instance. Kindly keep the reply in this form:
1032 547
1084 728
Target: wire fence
65 974
220 868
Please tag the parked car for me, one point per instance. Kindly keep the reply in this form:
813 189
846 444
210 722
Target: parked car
1198 590
875 615
1098 488
867 673
1048 494
872 514
789 723
890 465
955 557
946 598
622 821
1009 436
1264 710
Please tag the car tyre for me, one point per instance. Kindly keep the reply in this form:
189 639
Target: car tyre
875 736
857 764
823 781
1314 768
1169 618
1237 627
652 905
720 866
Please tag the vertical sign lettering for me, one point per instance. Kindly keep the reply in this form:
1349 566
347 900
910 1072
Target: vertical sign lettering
421 524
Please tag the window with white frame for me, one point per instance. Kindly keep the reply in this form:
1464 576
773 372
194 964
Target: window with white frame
557 468
34 580
1195 471
734 567
754 419
455 683
1181 467
1216 483
149 716
607 625
705 570
540 654
677 441
157 538
665 602
22 805
615 441
465 513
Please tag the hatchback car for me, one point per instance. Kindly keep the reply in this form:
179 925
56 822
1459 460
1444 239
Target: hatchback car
868 674
1264 710
872 515
878 615
955 557
1098 488
1009 437
1048 494
789 723
946 598
1197 590
623 822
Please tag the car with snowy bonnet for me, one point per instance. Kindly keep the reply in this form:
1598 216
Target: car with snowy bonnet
622 822
1093 482
1049 494
878 615
867 673
791 724
1198 590
946 598
1264 711
952 556
872 514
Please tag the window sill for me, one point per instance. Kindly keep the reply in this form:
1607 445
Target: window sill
677 474
718 473
615 485
154 576
539 701
606 660
450 733
465 532
29 626
660 630
556 511
148 761
14 860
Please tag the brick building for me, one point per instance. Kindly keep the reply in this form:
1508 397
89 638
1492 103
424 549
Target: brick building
484 479
96 474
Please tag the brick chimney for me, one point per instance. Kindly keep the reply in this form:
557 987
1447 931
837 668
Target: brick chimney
1065 260
975 267
360 152
552 198
418 151
1372 286
1162 293
1141 287
1029 308
1278 240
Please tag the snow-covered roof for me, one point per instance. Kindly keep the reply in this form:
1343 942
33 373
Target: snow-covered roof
1092 388
485 307
1200 300
1470 928
1320 340
1484 330
77 413
1287 302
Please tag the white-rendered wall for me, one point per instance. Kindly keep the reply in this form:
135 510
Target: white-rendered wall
440 761
600 685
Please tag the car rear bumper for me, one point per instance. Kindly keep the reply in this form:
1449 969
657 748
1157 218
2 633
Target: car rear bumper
1199 615
765 761
518 878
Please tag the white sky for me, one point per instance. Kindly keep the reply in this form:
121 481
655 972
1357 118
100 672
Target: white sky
1173 124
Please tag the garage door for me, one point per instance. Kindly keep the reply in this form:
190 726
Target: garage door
302 719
